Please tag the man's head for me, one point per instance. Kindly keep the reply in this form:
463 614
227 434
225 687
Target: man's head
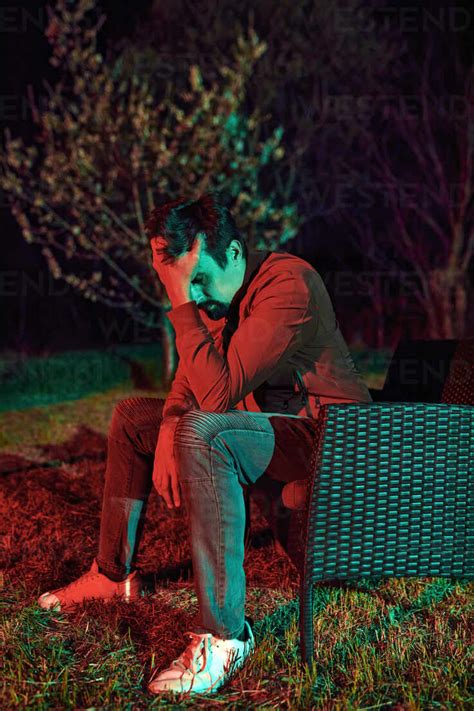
220 271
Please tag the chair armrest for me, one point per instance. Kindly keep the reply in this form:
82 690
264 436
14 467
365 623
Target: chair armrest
392 491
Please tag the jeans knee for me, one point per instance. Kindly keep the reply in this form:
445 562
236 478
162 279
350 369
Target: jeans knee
197 428
121 416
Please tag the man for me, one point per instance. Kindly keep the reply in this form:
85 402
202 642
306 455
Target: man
259 351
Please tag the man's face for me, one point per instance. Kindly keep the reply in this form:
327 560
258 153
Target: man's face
212 287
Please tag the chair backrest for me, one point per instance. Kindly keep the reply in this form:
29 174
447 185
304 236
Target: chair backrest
392 491
431 371
439 371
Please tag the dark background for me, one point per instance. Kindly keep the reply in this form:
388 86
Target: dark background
40 315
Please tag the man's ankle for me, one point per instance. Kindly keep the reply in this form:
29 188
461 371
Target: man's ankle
242 637
115 577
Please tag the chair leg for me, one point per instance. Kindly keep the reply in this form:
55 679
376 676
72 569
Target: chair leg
306 621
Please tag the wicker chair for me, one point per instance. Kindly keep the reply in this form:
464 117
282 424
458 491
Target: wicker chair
392 491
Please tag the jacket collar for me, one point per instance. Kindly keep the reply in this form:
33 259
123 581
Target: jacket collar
255 257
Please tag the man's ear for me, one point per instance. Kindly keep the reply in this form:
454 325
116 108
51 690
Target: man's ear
235 248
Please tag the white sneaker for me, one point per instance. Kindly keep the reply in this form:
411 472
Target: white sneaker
206 664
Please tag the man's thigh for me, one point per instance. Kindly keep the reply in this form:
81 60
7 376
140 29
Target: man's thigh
272 444
293 442
136 420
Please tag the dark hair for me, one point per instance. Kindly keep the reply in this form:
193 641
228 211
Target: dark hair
179 221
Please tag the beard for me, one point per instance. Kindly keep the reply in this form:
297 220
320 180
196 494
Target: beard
215 310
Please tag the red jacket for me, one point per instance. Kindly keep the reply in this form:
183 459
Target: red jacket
279 349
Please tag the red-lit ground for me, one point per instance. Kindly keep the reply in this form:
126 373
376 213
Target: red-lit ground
54 516
403 644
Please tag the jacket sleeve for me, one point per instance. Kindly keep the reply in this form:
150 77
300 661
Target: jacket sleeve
180 398
282 317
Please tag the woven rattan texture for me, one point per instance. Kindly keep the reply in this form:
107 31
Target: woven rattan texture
392 492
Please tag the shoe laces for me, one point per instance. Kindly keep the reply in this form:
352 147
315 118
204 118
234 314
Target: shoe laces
82 579
200 646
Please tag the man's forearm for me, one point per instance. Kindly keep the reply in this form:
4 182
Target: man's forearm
179 296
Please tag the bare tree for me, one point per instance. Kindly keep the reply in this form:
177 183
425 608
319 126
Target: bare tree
419 167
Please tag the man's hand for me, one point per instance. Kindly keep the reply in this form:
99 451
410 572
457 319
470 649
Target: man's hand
175 274
165 475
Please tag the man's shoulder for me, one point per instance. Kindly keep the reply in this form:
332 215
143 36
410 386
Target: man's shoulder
286 261
284 264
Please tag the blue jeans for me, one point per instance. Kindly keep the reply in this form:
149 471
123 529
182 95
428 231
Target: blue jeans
217 455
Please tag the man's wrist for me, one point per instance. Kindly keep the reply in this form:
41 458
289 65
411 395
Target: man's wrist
182 296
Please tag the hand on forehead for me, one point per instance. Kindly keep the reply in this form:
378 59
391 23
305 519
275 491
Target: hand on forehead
185 264
160 243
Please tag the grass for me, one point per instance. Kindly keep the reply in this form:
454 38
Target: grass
27 382
27 431
390 644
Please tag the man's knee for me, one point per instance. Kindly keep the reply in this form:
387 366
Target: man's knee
197 428
122 415
198 433
131 413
